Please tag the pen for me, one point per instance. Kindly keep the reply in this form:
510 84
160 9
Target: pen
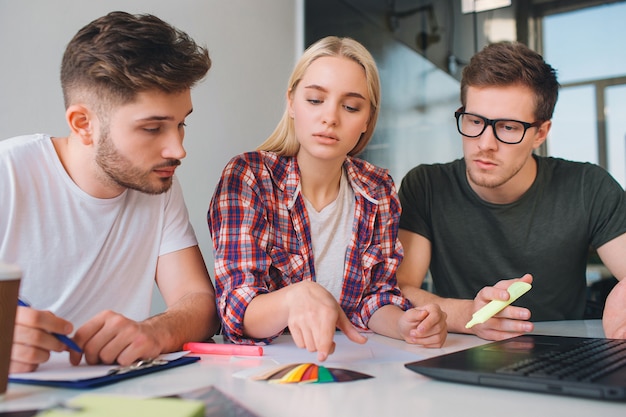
223 349
515 290
64 339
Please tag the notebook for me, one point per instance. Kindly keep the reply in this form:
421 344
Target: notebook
58 372
576 366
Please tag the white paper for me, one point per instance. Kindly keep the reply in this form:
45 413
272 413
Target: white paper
346 352
59 368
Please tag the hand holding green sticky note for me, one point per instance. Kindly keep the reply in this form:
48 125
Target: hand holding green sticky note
515 290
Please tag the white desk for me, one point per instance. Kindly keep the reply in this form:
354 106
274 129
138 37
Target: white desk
394 390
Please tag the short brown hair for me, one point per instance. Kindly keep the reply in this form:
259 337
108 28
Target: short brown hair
510 63
119 55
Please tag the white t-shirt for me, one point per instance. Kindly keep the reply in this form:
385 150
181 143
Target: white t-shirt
79 254
331 231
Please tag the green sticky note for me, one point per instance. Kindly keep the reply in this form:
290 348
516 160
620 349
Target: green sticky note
91 405
324 375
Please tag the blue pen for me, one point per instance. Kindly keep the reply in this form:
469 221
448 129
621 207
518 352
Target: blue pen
66 340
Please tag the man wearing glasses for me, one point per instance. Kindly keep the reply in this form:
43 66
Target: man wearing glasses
503 214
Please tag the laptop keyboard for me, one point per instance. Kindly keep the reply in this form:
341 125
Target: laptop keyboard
586 361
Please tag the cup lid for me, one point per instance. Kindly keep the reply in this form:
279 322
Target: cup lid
9 271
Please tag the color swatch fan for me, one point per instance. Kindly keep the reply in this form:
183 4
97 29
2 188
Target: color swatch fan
309 373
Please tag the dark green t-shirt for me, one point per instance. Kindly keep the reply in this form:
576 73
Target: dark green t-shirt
547 232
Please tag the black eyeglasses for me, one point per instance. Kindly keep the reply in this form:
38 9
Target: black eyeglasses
505 130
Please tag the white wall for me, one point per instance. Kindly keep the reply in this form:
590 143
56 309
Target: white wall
253 45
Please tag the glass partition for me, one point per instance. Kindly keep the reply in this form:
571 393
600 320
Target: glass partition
616 132
416 122
573 134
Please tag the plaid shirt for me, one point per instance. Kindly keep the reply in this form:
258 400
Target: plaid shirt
262 239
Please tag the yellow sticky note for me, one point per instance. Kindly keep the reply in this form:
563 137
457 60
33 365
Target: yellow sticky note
92 405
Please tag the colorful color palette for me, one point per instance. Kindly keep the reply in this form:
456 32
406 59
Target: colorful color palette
309 373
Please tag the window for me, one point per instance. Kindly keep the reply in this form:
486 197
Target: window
586 48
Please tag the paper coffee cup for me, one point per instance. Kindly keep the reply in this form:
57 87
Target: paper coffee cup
10 276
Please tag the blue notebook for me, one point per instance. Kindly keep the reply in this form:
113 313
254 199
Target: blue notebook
100 375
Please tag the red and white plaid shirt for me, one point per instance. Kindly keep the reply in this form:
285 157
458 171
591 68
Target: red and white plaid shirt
262 239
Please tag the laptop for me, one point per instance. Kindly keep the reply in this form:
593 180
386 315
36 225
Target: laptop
575 366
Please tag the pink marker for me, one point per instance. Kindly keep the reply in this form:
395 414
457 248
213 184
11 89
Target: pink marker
223 349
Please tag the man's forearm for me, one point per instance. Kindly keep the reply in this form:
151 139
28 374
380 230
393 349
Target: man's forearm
192 318
614 316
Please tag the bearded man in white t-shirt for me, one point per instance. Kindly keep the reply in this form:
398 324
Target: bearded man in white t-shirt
94 219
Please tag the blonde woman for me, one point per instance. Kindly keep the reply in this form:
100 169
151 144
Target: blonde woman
305 233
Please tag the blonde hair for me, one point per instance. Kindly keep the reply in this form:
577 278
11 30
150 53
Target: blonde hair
283 140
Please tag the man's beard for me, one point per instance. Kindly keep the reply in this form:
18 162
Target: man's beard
120 171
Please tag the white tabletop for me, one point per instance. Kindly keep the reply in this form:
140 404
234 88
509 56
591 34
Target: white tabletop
394 390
